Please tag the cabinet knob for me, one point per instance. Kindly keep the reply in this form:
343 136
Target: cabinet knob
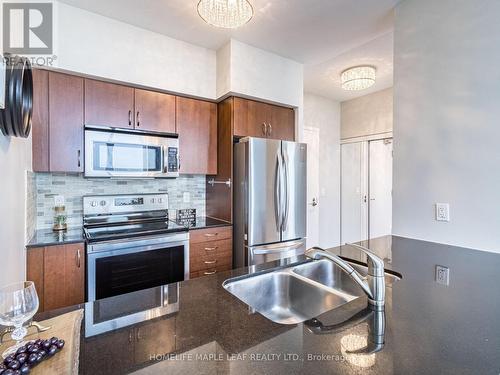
137 118
78 258
270 129
129 118
264 128
79 159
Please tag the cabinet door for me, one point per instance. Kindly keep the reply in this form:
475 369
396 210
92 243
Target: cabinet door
154 337
40 121
250 118
34 271
154 111
281 123
64 275
108 104
111 353
66 123
197 128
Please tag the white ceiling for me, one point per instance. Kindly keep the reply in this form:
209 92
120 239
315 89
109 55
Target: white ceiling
312 32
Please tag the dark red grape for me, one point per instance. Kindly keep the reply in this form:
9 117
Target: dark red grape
46 344
14 365
33 348
32 359
25 369
8 359
21 358
60 344
8 372
21 349
52 350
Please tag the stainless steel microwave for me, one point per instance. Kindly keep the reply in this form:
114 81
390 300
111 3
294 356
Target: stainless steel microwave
130 154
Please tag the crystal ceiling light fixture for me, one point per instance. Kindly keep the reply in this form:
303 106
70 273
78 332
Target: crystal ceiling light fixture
228 14
358 78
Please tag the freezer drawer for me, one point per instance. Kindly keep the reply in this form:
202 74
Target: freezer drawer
268 253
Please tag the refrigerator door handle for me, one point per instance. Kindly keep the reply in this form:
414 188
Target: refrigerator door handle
273 249
284 224
277 193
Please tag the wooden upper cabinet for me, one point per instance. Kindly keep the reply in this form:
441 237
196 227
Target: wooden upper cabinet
109 104
250 118
154 111
256 119
282 123
40 121
197 128
64 276
66 123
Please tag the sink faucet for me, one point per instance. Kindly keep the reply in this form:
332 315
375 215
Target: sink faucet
374 283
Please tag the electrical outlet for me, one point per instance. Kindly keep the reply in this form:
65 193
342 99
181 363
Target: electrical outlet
442 275
186 197
442 212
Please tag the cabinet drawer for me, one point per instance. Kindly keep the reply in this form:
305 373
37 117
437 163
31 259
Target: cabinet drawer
210 271
221 257
210 234
210 248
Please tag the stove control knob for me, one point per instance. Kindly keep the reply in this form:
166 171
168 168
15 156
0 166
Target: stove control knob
152 200
160 200
93 203
103 203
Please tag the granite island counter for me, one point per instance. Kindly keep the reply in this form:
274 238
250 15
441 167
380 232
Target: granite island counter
198 327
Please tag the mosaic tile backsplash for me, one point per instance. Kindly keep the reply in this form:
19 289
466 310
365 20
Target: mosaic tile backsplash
73 187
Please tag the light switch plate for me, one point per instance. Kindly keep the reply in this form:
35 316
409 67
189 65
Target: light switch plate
442 212
442 275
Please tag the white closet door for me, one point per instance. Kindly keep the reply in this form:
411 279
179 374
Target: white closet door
354 206
311 137
380 188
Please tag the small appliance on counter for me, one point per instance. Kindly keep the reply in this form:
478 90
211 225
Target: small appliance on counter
126 153
132 244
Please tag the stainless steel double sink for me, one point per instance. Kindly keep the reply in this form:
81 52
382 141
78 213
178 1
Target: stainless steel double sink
298 293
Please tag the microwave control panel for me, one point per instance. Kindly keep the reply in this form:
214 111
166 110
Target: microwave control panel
172 163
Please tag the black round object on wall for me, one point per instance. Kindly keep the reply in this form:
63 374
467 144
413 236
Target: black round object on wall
15 118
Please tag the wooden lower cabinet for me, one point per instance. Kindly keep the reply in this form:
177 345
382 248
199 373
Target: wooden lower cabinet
58 273
210 251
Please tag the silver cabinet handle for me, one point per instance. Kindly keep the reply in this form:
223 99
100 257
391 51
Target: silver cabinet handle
138 334
130 336
211 248
137 119
78 258
210 273
210 261
79 159
270 131
129 118
264 128
211 234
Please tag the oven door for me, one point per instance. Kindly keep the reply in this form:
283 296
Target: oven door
119 267
123 154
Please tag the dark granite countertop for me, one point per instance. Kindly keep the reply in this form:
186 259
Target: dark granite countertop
47 237
430 328
203 222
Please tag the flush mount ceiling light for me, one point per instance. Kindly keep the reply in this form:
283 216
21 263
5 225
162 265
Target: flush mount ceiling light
228 14
358 78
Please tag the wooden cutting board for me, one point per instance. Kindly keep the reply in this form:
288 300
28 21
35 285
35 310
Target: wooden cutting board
66 327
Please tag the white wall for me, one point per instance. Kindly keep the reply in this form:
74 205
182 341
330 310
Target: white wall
324 114
367 115
447 121
15 159
89 43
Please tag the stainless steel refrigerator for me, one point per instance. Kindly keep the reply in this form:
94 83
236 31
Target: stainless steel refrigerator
270 187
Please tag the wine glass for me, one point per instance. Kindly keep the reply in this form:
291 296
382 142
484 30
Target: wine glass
18 304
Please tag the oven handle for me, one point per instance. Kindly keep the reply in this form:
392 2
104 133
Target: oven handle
136 249
123 244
